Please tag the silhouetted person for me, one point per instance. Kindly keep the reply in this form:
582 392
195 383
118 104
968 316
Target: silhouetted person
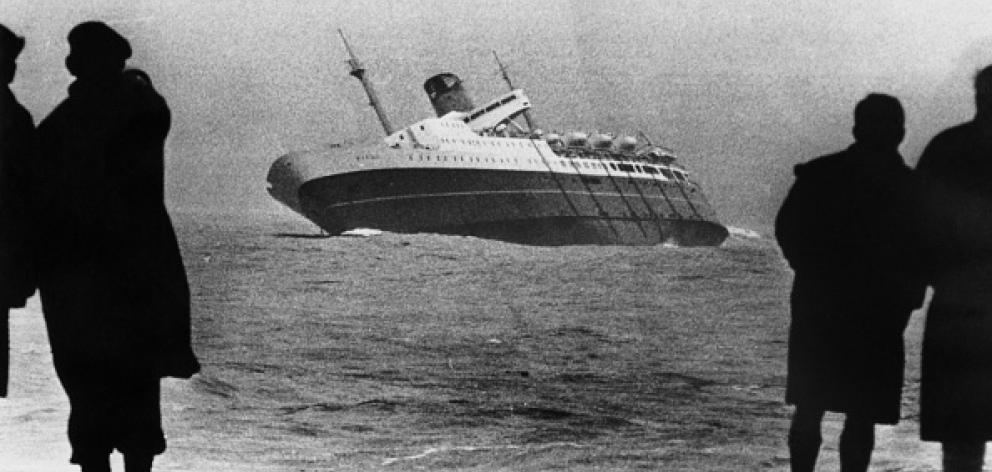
956 383
16 138
113 287
846 229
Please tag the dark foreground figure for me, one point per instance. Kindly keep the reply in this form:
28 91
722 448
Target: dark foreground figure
956 383
112 283
846 228
16 137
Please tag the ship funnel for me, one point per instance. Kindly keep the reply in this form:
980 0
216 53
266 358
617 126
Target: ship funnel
447 95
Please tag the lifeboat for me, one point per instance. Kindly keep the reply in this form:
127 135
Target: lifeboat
576 139
626 144
554 140
601 141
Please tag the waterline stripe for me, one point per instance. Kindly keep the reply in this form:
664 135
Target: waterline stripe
490 192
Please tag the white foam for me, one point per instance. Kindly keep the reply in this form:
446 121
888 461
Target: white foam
441 449
362 232
744 232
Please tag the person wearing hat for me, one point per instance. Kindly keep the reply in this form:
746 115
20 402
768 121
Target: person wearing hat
113 287
16 137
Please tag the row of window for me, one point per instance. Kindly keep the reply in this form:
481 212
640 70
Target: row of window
618 167
440 158
488 142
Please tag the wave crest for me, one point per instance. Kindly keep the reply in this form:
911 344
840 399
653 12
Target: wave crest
743 232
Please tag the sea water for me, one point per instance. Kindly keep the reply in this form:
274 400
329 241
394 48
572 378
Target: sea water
381 351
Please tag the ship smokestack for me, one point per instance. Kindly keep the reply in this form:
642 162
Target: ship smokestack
447 94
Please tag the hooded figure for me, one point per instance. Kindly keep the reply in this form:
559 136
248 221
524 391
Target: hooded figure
956 380
16 138
112 282
846 228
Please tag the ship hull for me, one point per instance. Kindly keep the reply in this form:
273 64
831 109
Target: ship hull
536 208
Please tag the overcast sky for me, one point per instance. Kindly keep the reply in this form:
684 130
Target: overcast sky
742 90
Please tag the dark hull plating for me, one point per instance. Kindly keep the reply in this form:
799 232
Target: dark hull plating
539 208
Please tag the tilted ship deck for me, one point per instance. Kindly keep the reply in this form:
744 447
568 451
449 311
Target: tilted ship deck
473 171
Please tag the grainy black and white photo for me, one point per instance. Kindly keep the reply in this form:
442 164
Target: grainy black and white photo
333 235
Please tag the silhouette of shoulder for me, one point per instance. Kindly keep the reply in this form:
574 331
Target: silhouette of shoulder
137 76
138 85
944 146
13 111
149 111
825 167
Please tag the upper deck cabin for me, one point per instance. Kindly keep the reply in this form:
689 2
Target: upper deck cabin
489 130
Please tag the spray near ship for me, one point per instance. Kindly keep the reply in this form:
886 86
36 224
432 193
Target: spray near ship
475 171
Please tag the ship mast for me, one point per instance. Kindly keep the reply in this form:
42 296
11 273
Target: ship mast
358 71
506 77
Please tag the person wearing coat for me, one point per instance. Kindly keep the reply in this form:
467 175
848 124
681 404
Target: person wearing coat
846 229
113 287
16 138
956 378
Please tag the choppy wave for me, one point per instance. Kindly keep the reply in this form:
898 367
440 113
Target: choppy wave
435 352
448 449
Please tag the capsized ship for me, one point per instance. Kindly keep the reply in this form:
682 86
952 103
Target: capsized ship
473 170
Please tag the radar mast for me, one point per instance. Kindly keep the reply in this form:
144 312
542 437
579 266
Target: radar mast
358 71
506 77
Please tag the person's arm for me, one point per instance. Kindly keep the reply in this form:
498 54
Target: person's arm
794 225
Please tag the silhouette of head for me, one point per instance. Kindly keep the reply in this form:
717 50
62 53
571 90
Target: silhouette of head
10 47
983 91
96 50
879 121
